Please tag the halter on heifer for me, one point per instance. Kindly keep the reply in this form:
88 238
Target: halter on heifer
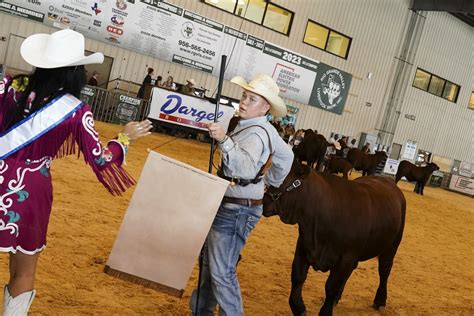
275 196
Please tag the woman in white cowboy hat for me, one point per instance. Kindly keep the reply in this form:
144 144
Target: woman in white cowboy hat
245 156
46 121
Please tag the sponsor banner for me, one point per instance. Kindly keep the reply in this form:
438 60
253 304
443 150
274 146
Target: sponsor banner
23 11
87 94
410 150
290 117
168 32
436 178
285 68
465 169
128 109
391 166
79 15
462 184
330 89
180 109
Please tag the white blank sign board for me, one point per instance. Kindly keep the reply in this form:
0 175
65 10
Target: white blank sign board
166 224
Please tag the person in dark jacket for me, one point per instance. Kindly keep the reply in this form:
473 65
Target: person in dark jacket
146 80
93 80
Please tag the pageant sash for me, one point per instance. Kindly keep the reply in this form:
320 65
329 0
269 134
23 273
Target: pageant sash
37 124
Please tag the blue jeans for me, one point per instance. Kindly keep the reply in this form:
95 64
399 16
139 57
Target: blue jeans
225 241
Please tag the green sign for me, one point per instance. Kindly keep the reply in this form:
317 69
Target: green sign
192 63
203 20
87 95
436 178
330 89
128 109
21 11
255 42
235 33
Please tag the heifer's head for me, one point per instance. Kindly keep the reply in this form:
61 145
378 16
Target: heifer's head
381 154
432 166
279 201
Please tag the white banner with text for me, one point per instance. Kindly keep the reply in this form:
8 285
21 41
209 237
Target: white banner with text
181 109
171 33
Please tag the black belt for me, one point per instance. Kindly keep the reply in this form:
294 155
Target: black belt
237 181
245 202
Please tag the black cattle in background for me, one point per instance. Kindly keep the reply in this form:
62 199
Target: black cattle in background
338 165
419 175
367 163
312 149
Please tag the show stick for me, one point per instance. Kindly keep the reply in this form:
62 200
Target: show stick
211 154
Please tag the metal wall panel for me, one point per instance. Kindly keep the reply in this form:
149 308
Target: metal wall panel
377 28
442 127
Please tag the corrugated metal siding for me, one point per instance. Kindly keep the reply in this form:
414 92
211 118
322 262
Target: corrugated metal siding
442 127
377 28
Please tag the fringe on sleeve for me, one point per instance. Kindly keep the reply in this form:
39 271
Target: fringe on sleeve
106 163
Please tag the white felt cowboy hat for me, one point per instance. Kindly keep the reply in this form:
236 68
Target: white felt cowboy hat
191 81
59 49
266 87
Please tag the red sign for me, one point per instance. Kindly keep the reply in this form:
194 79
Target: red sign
114 30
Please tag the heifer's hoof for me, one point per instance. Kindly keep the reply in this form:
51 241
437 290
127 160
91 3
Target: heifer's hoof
298 311
377 306
303 313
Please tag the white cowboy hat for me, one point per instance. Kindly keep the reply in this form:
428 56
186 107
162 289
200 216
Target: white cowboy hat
59 49
191 81
265 86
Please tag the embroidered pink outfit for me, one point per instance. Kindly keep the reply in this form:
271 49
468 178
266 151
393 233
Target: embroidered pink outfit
26 192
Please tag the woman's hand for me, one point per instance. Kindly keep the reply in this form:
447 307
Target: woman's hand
216 131
136 130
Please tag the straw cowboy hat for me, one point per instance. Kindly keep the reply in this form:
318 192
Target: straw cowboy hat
266 87
59 49
191 81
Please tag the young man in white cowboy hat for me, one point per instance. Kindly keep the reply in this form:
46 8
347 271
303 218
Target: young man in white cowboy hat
188 88
245 153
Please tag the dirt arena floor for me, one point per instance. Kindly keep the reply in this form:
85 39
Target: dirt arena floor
433 273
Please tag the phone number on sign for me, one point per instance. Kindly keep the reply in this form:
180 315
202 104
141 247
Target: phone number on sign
197 48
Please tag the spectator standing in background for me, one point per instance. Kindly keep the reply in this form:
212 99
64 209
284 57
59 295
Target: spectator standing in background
289 131
366 148
296 139
353 143
93 80
146 80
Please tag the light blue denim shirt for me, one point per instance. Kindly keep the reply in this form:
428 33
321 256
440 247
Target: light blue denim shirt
244 153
